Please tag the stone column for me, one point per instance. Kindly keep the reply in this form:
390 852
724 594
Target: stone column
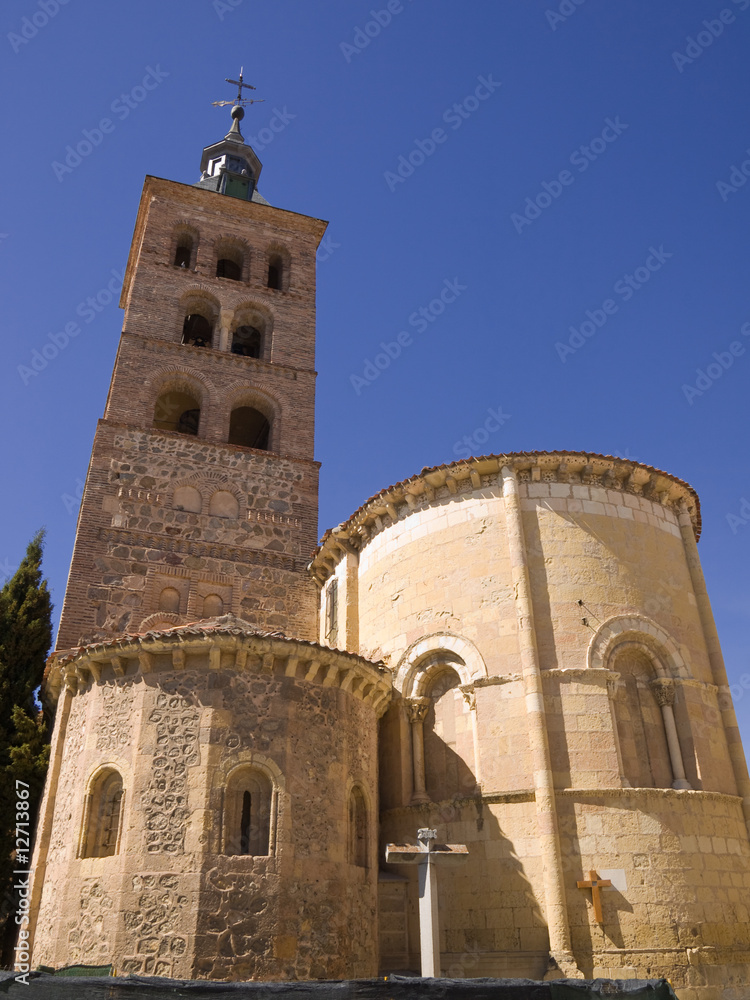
224 323
716 659
663 688
417 709
470 698
612 680
546 807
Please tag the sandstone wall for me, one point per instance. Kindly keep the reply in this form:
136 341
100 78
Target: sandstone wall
632 772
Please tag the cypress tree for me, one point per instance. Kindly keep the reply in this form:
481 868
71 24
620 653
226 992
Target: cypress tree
25 638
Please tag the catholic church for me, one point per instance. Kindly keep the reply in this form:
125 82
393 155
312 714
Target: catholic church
516 651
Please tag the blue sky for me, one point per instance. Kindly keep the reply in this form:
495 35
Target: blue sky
554 157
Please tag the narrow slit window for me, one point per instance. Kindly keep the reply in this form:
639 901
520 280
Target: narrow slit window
248 805
245 823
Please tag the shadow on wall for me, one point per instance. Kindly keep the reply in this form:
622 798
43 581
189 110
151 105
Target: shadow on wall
491 923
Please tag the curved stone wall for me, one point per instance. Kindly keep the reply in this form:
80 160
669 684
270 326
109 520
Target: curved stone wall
561 707
179 715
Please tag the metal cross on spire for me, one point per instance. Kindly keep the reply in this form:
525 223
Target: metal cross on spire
239 99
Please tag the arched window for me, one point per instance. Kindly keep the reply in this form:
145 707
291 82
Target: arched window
275 272
448 740
357 828
102 816
640 727
247 341
187 498
213 606
230 261
247 812
177 410
248 427
226 268
169 600
197 331
224 504
184 251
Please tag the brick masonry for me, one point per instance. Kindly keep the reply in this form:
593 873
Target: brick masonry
133 541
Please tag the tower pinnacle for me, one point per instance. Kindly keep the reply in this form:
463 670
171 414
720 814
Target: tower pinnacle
230 166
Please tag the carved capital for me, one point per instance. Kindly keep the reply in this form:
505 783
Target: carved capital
663 688
470 696
613 685
417 709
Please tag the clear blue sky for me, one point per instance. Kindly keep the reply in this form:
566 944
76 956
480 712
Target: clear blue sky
350 111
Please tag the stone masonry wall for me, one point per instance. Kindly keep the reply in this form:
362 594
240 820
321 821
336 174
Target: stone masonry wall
132 542
170 901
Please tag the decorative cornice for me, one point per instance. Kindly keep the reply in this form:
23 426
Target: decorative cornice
664 793
521 795
527 795
137 432
231 638
594 674
481 682
443 482
197 355
209 550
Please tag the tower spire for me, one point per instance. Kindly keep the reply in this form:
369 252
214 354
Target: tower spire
231 166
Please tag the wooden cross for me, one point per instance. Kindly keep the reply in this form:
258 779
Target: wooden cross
596 884
426 855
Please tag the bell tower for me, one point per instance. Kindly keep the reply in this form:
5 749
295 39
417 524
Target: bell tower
201 495
211 802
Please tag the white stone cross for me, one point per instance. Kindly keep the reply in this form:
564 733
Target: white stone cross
426 855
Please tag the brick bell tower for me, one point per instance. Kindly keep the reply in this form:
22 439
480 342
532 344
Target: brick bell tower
201 495
210 808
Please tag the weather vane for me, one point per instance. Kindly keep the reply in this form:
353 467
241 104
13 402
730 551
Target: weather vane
239 99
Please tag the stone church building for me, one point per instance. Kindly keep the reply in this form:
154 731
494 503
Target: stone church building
516 650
